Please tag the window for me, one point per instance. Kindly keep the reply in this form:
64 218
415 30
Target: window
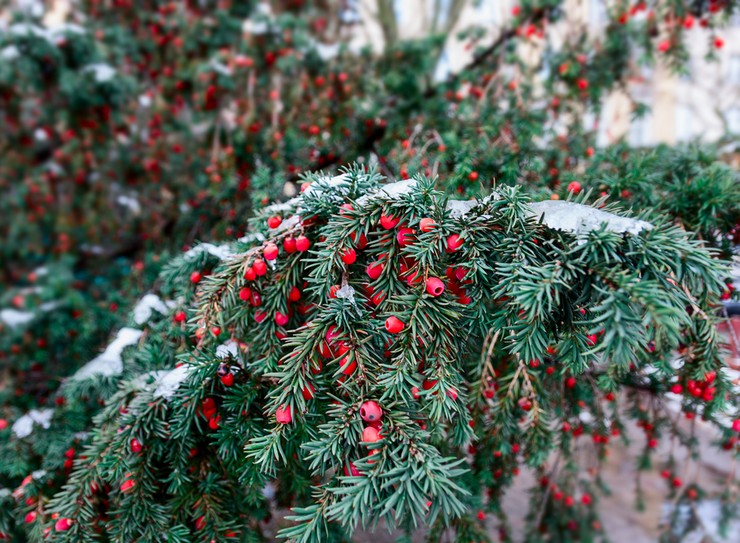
733 120
733 69
684 124
640 131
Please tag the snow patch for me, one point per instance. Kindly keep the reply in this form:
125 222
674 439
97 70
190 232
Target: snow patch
170 381
580 219
222 252
228 349
9 52
109 362
460 208
101 72
390 191
15 318
23 427
148 304
320 186
347 292
130 202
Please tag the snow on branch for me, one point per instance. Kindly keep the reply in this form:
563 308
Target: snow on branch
149 303
580 219
110 361
23 427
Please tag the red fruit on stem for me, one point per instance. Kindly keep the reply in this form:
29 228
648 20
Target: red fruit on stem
245 294
308 391
370 411
249 274
370 435
271 251
289 245
348 366
349 256
136 446
574 187
353 471
375 269
283 414
294 295
427 225
405 237
454 242
435 286
394 325
195 277
128 485
63 524
281 319
227 380
302 243
274 222
260 267
389 221
30 517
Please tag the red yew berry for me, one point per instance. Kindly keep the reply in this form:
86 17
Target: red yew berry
302 243
294 295
473 176
245 294
370 411
281 319
394 325
64 524
30 517
370 435
283 414
582 84
136 446
308 391
349 256
289 245
454 242
389 221
375 269
260 267
427 225
195 277
719 43
274 222
271 252
352 471
405 237
228 379
435 286
128 485
574 187
179 316
249 274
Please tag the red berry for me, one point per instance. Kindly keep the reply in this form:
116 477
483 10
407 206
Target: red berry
3 424
582 84
473 176
178 317
195 277
281 319
428 384
283 415
200 523
64 524
347 366
435 286
427 225
30 517
349 256
353 471
271 252
375 269
136 446
719 43
216 331
370 435
308 391
260 316
677 388
394 325
274 222
405 237
249 274
570 382
228 379
454 242
245 294
370 411
289 245
128 485
389 221
294 295
302 243
574 187
260 267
